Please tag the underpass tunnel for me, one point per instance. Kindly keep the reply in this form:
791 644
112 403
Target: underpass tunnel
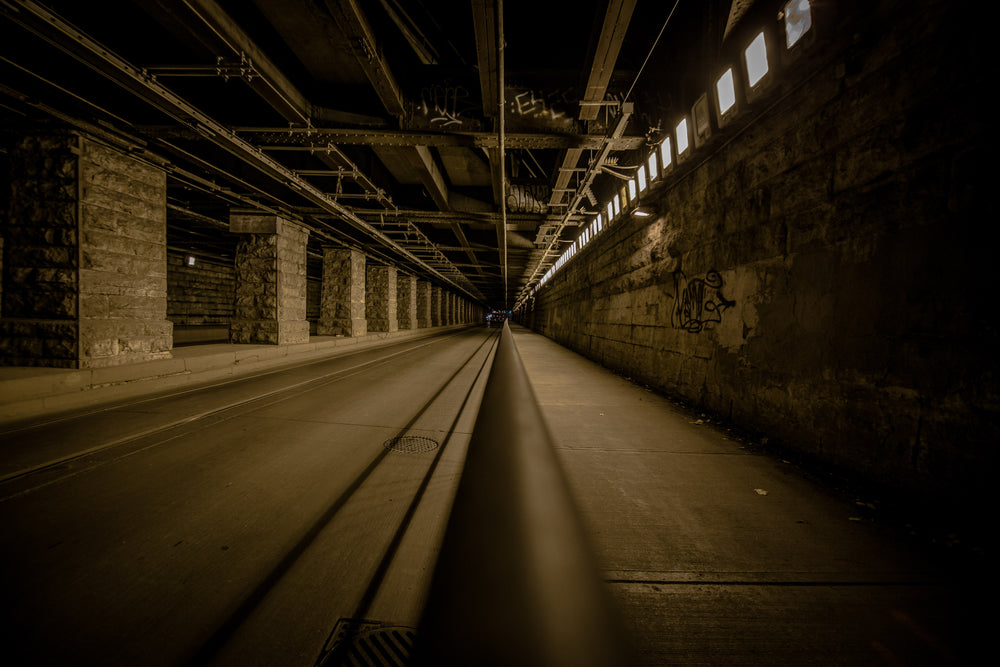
260 259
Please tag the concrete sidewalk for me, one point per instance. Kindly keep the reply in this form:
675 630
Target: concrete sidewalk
719 555
28 392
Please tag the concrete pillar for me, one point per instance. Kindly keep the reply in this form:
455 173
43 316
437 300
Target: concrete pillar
380 298
406 301
423 304
270 304
85 270
342 302
435 306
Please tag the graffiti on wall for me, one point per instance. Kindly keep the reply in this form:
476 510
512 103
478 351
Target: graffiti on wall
444 105
698 302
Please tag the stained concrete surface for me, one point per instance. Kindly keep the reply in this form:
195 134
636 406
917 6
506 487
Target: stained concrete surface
720 555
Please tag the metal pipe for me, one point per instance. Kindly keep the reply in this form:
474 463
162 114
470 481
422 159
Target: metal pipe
516 582
501 144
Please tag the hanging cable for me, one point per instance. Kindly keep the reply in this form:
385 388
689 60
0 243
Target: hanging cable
651 49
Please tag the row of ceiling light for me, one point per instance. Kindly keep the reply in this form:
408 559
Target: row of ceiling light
796 20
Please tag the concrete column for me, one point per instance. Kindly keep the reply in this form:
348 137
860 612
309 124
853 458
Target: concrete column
85 270
406 301
435 306
423 304
342 302
270 304
380 298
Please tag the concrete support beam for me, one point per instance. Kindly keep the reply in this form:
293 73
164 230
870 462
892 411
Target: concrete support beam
423 304
342 302
436 298
406 302
270 303
85 270
380 298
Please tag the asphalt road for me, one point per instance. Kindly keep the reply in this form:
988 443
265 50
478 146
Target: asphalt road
236 523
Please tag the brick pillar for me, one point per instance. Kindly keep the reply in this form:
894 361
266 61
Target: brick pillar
270 304
436 298
380 298
85 276
406 302
423 304
342 303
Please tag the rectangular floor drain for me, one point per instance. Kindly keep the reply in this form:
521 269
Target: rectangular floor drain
362 643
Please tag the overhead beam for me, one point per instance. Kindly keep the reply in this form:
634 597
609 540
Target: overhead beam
609 44
102 60
361 38
485 29
317 138
221 36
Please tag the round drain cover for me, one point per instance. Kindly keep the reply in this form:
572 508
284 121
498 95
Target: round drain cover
411 444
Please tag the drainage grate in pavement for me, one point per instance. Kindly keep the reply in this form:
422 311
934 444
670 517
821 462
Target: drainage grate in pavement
368 644
411 444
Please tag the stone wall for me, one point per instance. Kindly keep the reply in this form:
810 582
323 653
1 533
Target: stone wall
41 257
201 294
380 298
342 306
406 301
818 272
85 255
123 253
270 292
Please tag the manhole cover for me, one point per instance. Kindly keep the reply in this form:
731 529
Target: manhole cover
411 444
368 644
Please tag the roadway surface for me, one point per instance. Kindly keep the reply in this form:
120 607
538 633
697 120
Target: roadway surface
239 523
245 523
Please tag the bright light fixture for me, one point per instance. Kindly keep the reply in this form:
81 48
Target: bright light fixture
726 91
798 20
756 59
641 175
682 136
665 152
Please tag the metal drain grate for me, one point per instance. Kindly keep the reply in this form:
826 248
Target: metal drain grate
411 444
368 644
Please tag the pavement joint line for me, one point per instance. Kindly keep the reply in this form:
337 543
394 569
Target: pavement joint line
790 579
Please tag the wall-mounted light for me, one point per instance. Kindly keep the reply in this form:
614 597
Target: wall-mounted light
652 165
641 177
644 211
189 260
632 191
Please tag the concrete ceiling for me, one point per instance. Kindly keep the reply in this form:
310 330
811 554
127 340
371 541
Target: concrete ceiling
376 123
